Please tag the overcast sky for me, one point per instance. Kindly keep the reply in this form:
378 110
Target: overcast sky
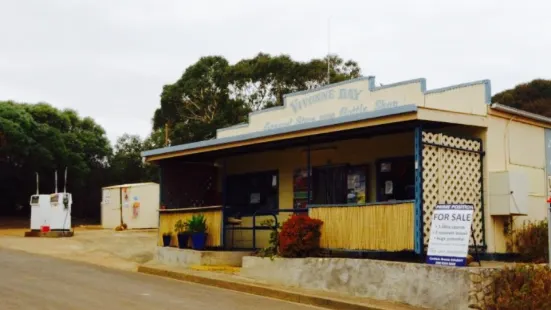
109 59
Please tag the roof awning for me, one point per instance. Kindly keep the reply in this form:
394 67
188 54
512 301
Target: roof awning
359 120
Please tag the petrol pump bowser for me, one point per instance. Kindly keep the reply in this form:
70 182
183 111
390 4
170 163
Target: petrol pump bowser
60 211
40 211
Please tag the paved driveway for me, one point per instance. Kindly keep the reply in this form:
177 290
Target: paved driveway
29 281
121 250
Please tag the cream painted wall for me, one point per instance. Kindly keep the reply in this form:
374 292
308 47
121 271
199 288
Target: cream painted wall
516 146
468 100
357 151
361 95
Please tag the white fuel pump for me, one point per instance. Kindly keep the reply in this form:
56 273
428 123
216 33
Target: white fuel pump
40 209
61 204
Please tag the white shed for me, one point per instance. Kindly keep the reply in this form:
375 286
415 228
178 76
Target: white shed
140 204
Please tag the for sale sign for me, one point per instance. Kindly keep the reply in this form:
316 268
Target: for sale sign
450 233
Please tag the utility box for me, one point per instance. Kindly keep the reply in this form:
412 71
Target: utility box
508 193
139 202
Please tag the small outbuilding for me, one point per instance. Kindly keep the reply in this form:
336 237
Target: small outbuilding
139 203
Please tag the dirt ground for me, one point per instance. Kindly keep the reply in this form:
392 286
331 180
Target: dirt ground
121 250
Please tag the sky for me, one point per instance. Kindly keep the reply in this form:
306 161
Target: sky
109 59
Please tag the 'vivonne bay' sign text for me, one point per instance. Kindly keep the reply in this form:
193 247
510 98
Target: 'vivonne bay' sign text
325 95
314 114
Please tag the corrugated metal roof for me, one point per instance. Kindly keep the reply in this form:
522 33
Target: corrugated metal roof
279 131
511 110
130 185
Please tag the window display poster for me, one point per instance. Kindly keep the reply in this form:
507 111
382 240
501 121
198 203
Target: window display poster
389 187
356 186
125 199
450 232
300 188
136 207
255 198
106 196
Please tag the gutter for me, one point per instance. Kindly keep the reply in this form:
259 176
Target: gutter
518 112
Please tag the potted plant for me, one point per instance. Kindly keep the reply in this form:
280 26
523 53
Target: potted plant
197 225
182 233
167 237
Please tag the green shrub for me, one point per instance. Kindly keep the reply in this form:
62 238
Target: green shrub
272 248
531 242
180 227
524 287
300 237
197 223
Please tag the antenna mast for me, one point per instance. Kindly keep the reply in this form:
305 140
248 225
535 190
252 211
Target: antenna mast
328 50
65 185
56 181
37 186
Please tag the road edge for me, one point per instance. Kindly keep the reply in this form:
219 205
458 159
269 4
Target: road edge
257 290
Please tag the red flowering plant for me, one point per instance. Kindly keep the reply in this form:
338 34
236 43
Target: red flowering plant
300 237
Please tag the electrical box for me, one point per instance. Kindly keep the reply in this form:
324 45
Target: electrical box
508 193
40 211
60 214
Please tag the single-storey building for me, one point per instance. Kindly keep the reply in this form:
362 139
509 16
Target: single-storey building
371 161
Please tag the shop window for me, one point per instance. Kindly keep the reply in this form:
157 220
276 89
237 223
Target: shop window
396 179
252 192
330 184
339 184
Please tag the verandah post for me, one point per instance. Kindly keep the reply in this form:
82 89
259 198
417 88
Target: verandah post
224 200
308 171
418 212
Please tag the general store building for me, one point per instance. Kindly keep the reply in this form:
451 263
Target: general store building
371 161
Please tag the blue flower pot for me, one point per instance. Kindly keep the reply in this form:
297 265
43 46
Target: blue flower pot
199 240
166 240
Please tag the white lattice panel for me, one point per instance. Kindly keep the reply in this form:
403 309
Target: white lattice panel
451 175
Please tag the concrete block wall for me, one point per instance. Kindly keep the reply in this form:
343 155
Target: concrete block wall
188 257
433 287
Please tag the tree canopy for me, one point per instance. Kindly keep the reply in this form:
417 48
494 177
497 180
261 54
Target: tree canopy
40 138
212 93
534 96
127 165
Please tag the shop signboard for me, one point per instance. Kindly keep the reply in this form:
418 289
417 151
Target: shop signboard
450 233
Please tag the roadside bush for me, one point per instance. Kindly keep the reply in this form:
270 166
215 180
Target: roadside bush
531 242
522 287
300 237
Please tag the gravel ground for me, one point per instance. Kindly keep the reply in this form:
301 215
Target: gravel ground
122 250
